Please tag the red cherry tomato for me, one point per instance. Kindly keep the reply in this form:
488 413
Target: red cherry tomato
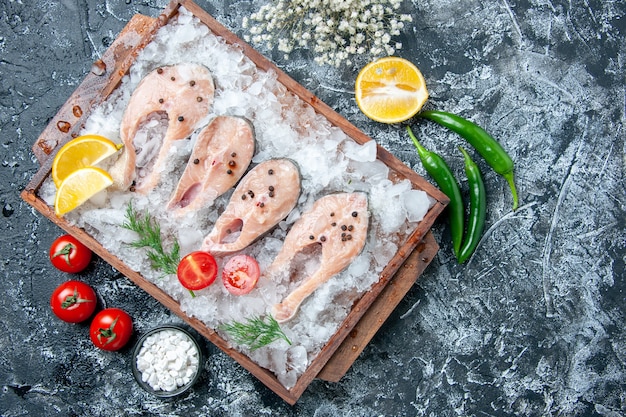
197 270
111 329
73 301
240 274
69 255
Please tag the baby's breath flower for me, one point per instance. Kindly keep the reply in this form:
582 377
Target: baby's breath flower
335 30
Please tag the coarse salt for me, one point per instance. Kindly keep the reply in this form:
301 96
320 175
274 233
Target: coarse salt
168 360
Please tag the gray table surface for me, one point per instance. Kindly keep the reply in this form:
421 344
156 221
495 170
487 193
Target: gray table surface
533 325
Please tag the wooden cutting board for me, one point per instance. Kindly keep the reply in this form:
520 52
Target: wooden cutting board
368 313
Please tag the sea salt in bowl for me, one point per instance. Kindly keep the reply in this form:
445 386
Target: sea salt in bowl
167 361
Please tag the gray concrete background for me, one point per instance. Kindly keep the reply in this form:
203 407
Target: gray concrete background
532 325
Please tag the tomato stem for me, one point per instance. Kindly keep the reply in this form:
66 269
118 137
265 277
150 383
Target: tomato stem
108 334
66 251
70 300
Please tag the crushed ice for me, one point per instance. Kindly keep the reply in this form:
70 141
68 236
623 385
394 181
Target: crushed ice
285 126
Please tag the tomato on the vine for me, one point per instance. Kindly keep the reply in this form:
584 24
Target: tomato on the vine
73 301
197 270
111 329
240 274
68 254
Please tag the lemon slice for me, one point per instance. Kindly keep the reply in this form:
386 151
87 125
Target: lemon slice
390 90
80 186
81 152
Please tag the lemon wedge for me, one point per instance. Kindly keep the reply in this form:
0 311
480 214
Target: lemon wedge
390 90
84 151
80 186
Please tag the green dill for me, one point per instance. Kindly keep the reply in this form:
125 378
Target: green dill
255 332
149 233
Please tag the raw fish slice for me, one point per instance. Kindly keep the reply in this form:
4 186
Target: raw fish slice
338 223
183 95
263 198
220 157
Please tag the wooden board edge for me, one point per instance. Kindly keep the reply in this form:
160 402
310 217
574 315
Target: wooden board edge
103 77
380 310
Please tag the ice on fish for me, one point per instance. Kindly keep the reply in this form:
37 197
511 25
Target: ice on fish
284 125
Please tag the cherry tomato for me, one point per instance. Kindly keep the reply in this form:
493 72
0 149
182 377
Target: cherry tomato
240 274
73 301
197 270
69 255
111 329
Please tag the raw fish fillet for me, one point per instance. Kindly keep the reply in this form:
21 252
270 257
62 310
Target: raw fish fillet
220 157
183 95
336 222
263 198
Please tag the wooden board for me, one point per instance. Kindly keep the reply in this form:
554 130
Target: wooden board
380 310
368 312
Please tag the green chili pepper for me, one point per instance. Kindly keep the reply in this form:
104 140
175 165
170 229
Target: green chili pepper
482 141
443 176
477 208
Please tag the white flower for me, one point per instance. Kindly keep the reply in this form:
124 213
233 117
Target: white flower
336 30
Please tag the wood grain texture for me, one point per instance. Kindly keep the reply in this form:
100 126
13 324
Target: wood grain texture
380 310
96 88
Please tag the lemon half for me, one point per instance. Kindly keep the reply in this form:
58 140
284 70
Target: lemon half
390 90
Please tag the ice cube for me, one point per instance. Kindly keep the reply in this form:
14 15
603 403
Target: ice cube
360 153
416 204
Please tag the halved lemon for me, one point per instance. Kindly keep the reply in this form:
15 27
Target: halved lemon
390 90
80 186
81 152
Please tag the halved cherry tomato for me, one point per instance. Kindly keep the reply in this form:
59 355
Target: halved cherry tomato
73 301
197 270
69 255
240 274
111 329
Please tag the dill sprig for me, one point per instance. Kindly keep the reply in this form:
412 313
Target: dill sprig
149 232
255 332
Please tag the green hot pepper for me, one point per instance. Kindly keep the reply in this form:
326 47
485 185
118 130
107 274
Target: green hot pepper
482 141
477 208
443 176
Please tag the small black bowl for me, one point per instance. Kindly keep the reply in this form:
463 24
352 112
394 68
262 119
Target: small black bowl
137 373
